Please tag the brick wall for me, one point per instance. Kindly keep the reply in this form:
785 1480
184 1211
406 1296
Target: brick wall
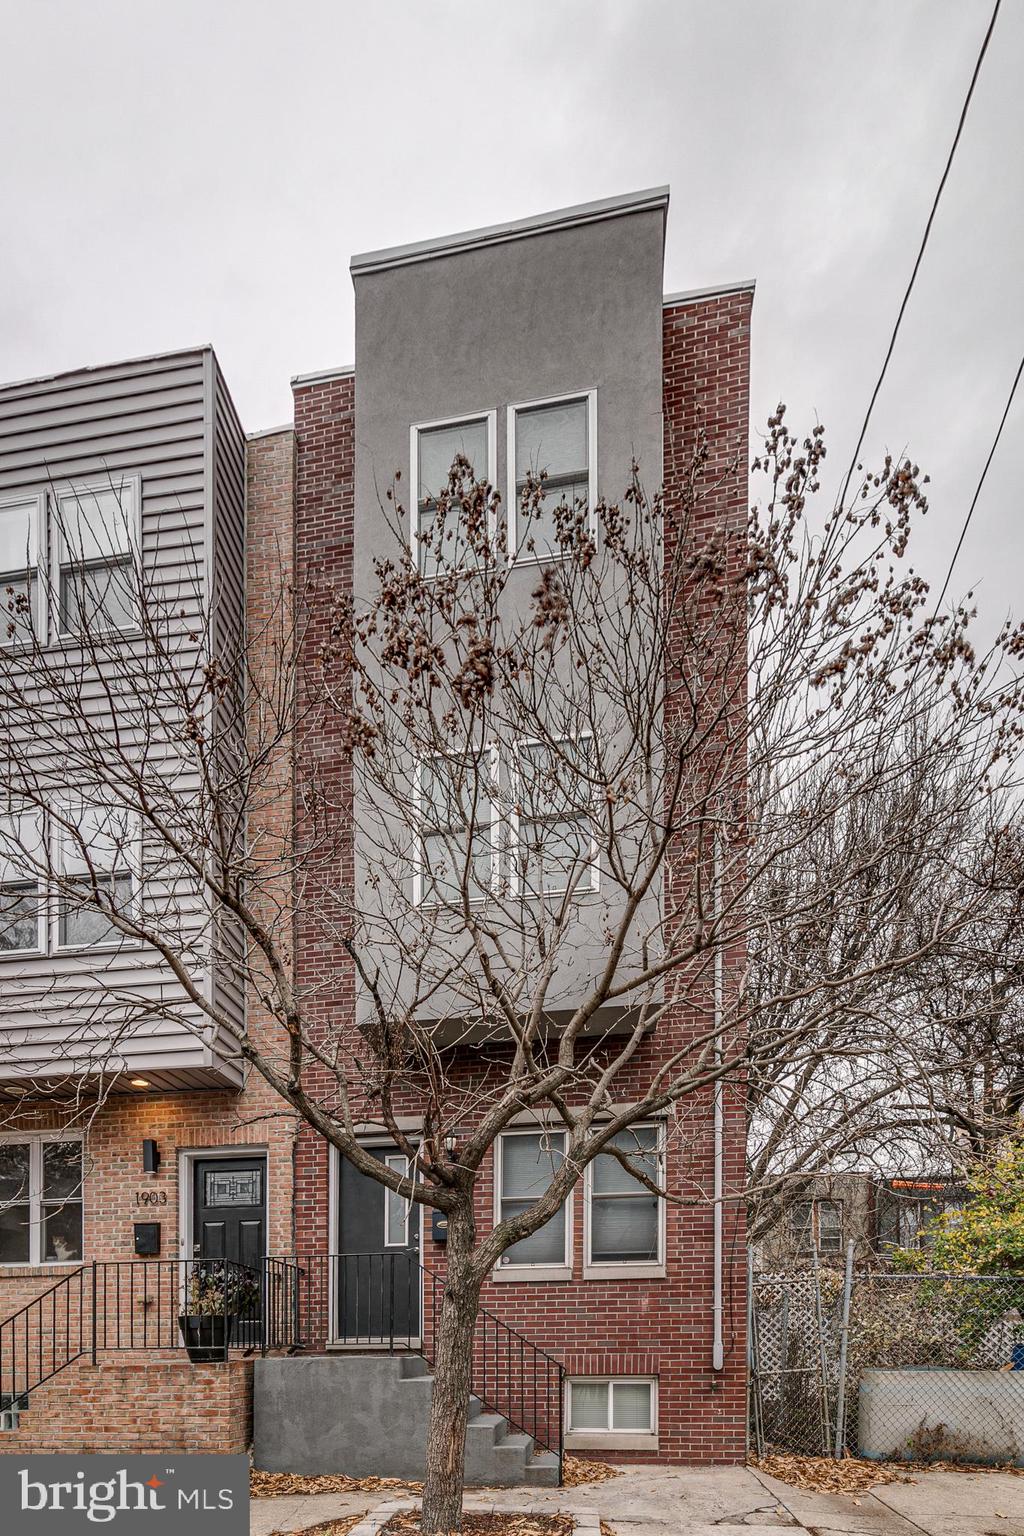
324 519
139 1405
661 1327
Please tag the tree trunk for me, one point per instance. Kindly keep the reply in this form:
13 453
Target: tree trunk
452 1371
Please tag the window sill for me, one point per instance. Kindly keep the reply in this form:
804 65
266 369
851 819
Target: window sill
610 1440
528 1272
624 1271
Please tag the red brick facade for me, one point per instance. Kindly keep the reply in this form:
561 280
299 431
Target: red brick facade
141 1404
660 1327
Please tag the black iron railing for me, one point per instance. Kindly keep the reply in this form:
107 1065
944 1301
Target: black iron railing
211 1305
390 1300
206 1305
312 1301
43 1337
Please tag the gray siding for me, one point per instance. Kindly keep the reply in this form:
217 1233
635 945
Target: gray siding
170 421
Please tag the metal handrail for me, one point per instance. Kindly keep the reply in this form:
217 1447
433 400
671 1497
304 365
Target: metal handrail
294 1302
31 1352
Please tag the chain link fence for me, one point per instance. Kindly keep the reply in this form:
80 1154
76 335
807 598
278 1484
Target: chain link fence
888 1366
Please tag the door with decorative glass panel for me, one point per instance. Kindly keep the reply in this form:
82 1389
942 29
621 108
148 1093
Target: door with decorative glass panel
376 1278
229 1222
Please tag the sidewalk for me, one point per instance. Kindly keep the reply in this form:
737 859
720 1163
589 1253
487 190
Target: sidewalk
707 1501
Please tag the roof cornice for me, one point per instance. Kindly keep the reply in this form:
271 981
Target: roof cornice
516 229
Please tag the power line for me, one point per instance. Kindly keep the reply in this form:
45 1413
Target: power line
924 242
981 482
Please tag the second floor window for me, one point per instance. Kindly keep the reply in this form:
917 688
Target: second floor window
456 837
553 438
40 1200
554 843
97 542
439 539
19 575
97 858
818 1223
21 905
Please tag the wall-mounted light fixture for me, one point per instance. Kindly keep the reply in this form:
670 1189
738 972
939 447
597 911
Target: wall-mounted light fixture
150 1157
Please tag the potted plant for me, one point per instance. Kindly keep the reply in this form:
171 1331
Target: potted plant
214 1293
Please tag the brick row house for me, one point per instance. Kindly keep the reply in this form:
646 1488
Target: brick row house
467 344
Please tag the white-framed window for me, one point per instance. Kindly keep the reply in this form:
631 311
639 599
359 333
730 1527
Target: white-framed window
433 448
611 1406
525 1163
396 1207
556 437
818 1223
20 523
41 1198
97 851
22 904
96 545
553 843
457 828
624 1222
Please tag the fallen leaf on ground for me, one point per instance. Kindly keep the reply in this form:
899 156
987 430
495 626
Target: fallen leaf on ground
278 1485
820 1474
576 1471
328 1527
407 1523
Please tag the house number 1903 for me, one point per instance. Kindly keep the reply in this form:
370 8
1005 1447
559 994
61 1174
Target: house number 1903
151 1197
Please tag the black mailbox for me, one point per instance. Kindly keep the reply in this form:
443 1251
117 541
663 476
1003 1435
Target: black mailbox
439 1226
147 1239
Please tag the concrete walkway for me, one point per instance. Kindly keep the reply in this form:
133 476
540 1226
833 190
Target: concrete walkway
706 1501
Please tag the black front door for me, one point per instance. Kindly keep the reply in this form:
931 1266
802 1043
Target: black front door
377 1273
229 1222
229 1210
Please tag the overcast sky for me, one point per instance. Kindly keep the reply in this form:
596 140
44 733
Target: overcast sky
181 172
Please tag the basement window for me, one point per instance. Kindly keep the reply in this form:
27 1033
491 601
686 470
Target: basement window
614 1412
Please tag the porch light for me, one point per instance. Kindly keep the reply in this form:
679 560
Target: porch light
140 1082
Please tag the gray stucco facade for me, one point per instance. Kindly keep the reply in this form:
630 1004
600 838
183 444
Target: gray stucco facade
564 305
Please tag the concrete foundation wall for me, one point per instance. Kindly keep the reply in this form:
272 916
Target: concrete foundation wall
355 1414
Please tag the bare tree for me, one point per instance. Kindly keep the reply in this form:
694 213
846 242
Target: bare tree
929 1069
572 808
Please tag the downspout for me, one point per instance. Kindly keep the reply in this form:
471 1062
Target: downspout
717 1344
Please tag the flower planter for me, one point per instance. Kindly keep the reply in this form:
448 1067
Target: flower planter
205 1337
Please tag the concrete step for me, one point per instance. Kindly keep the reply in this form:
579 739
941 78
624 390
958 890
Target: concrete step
542 1470
511 1457
412 1367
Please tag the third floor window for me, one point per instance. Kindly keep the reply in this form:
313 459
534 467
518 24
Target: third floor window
439 540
